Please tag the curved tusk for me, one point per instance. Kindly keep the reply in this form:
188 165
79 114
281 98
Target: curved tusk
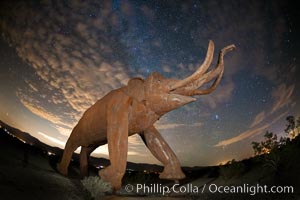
218 70
201 70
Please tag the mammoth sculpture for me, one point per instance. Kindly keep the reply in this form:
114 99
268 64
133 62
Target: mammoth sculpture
133 109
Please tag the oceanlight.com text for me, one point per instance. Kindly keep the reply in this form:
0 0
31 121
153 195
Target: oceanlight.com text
250 189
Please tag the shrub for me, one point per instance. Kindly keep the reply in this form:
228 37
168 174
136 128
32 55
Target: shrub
96 186
272 161
232 169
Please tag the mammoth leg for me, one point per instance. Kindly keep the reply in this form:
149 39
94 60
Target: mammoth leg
117 139
162 151
84 159
66 158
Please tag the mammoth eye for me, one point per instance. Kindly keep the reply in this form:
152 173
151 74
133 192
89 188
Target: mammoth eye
158 81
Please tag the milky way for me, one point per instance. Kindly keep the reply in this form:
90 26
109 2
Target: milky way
60 57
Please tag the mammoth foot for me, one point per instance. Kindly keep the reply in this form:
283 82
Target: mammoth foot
62 170
172 174
112 177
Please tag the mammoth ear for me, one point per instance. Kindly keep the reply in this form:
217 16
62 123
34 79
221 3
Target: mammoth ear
135 89
152 80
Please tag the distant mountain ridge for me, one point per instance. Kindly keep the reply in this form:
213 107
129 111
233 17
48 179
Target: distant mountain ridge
27 138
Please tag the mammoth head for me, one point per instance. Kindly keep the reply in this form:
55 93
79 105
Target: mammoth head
162 95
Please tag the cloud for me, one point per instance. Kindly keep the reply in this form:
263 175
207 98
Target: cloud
221 95
40 111
282 96
63 129
102 150
34 88
174 125
242 136
83 58
63 126
52 139
166 68
136 150
249 133
133 141
76 61
258 119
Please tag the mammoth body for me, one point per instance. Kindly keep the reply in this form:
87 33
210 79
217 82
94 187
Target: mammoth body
134 109
91 130
119 114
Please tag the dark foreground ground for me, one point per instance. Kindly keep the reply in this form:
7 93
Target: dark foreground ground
27 172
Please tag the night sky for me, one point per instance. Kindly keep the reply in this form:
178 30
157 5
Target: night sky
59 57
